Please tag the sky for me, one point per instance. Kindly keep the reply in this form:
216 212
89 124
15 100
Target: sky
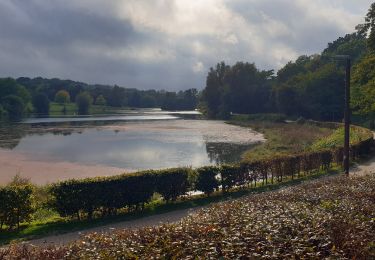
163 44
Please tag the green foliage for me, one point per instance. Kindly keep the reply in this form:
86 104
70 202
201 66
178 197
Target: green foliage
276 118
231 176
368 28
83 101
100 101
62 97
353 45
357 135
363 88
240 88
316 93
13 99
41 103
76 197
14 106
172 183
207 181
16 204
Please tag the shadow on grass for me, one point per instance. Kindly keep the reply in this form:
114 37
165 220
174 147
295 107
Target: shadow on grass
59 226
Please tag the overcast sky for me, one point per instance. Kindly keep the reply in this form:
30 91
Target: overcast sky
163 44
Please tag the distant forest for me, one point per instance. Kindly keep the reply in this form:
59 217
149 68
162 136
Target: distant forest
311 87
25 95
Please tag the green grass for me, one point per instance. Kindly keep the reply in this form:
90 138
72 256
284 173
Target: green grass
71 109
282 138
336 139
57 225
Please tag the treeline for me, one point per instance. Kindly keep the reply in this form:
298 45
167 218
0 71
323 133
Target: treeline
310 87
25 95
97 197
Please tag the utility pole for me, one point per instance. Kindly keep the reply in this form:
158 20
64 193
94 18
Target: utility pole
347 116
346 158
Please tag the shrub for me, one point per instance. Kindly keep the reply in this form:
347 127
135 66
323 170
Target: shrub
84 101
16 205
206 179
231 176
171 183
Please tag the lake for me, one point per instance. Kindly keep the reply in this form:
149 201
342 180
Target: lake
51 149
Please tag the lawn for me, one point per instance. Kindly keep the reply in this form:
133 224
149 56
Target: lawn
71 109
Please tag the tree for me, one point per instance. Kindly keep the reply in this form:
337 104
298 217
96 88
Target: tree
368 28
84 101
100 101
240 88
16 204
62 97
363 88
14 106
117 97
41 103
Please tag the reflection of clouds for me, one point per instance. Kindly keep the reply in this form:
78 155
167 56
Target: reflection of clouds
139 145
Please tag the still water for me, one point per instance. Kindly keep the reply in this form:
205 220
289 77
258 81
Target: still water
91 146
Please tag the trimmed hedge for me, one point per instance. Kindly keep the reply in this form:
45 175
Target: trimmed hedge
83 198
207 181
172 183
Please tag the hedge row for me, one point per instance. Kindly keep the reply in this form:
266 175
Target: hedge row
133 191
106 195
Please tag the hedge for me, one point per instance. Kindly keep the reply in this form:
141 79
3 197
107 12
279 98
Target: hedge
132 191
207 179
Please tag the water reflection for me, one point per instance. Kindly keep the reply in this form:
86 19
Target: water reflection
130 145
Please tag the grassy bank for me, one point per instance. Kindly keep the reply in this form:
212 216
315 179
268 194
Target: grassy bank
282 138
293 138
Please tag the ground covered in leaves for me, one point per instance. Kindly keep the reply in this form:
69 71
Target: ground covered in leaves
328 218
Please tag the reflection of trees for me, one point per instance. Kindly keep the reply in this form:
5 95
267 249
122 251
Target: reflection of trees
11 134
226 152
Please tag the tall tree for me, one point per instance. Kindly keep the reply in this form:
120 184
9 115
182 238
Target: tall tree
368 28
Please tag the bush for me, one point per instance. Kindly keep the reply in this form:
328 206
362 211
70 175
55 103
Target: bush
231 176
171 183
16 205
206 179
84 101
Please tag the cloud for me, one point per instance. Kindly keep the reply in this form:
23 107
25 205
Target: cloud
164 44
